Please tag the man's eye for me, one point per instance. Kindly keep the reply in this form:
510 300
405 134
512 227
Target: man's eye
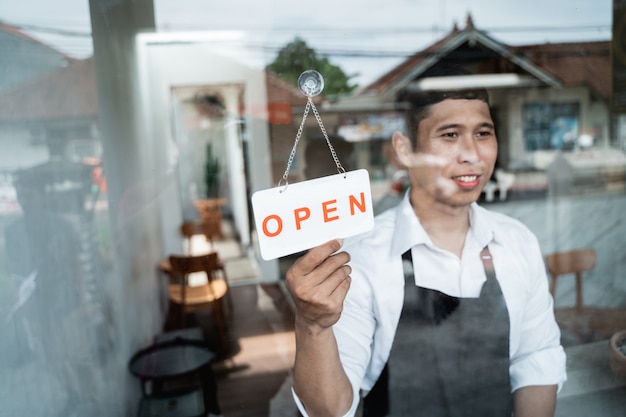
451 135
484 133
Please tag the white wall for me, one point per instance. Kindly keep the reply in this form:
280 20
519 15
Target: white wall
194 61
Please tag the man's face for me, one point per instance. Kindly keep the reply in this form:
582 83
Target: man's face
458 142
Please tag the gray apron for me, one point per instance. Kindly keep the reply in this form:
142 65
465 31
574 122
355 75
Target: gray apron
450 356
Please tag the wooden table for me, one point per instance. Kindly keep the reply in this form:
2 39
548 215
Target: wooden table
592 388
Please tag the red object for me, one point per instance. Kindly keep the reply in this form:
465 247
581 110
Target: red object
279 113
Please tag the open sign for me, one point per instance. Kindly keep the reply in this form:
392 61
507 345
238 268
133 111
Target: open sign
306 214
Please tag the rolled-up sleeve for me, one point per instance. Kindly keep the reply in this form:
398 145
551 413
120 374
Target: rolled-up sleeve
302 410
538 358
544 367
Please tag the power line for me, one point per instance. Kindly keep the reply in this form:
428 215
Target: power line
352 53
529 29
340 51
368 30
408 30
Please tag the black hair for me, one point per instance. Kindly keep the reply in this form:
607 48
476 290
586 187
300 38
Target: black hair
421 102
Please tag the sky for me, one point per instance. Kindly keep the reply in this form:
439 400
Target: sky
365 38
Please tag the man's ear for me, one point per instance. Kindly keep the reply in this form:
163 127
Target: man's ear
403 148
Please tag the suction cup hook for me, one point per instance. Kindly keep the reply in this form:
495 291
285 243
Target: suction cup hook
311 83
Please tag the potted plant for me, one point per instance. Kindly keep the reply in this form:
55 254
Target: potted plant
209 208
211 173
617 352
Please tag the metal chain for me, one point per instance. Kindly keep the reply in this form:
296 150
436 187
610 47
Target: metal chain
340 168
310 105
295 145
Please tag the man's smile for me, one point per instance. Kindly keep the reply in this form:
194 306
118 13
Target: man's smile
467 181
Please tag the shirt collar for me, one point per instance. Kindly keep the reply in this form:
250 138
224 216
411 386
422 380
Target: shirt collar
481 226
408 231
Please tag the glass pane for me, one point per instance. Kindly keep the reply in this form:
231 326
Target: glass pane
119 119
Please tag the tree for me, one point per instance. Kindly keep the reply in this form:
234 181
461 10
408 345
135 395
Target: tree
296 57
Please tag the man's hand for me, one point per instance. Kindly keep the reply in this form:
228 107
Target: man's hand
319 282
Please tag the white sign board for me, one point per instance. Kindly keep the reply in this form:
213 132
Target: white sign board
306 214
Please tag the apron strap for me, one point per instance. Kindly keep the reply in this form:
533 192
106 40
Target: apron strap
487 259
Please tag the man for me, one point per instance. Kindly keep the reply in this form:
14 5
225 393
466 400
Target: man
485 342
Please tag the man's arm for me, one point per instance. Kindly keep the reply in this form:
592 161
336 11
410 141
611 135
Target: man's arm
538 359
535 401
319 282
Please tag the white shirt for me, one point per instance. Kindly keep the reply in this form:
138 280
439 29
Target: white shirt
372 308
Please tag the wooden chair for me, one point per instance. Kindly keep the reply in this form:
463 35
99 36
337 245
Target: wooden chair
571 262
210 212
189 298
190 229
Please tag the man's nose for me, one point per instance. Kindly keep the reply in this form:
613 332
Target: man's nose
468 150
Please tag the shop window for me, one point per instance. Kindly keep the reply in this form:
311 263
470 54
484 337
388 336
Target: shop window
550 125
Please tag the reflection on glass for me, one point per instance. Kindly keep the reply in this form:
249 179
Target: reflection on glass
55 247
74 296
